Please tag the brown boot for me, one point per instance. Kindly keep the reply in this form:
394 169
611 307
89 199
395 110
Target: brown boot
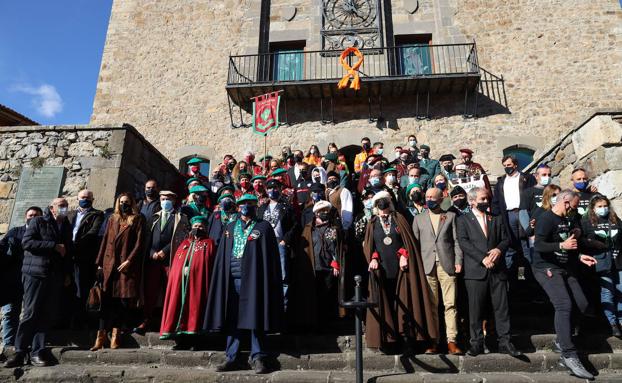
453 349
115 341
101 341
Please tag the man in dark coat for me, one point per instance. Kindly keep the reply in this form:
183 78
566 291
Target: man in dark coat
11 257
151 204
483 241
246 290
86 223
46 243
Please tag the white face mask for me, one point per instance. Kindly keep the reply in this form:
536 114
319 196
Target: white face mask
391 179
61 212
545 180
412 143
397 155
312 151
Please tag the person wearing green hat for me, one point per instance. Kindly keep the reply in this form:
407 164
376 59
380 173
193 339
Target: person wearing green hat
246 292
416 201
194 170
188 281
392 184
259 189
224 213
287 190
198 202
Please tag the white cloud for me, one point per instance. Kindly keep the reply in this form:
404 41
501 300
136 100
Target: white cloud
45 99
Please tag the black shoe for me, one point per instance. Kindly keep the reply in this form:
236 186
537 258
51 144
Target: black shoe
615 331
475 350
260 367
230 365
575 367
508 348
38 361
16 361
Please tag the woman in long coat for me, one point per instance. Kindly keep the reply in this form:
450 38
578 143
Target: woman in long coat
119 264
397 281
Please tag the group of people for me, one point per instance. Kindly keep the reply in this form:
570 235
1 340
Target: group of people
274 245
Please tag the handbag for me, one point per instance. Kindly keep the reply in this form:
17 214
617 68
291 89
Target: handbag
94 301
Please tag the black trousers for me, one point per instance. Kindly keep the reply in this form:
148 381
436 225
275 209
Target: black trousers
36 314
563 289
115 312
478 291
326 292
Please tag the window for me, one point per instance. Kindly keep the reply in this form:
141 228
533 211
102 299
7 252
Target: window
414 54
288 63
204 167
523 154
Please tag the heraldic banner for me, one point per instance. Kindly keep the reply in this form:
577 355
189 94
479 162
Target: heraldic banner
266 112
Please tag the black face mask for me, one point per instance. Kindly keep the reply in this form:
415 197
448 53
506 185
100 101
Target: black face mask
231 165
383 204
366 146
303 172
448 168
324 216
460 203
509 170
227 204
151 193
126 208
483 207
199 199
416 196
298 159
332 184
200 233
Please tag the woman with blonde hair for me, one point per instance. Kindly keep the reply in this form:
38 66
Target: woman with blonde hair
119 267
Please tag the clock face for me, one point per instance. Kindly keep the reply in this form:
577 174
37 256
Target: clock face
350 23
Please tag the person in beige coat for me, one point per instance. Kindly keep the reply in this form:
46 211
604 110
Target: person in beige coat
435 231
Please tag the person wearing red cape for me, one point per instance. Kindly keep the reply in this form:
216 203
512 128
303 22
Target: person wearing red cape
188 281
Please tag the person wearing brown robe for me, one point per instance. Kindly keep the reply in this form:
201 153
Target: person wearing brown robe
397 282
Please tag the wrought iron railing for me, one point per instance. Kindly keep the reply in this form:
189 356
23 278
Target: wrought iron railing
405 61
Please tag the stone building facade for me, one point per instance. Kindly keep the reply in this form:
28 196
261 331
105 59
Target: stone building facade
165 68
106 159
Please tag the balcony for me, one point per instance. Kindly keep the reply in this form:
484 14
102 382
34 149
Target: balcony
418 69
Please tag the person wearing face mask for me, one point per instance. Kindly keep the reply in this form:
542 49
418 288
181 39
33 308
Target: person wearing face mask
194 170
483 240
473 168
244 185
317 192
442 183
360 160
165 232
187 287
459 204
531 200
279 213
11 290
47 250
581 185
431 166
286 152
401 163
151 204
225 212
253 168
412 146
197 202
602 233
120 265
416 198
296 163
317 271
396 274
303 184
259 189
289 193
86 222
373 162
447 166
391 182
313 157
361 220
378 148
435 230
555 262
341 199
506 203
318 174
246 270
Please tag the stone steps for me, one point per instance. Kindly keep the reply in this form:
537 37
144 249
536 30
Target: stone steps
134 374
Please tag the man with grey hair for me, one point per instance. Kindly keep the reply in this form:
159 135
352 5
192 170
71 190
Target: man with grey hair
435 230
86 222
46 243
483 241
555 264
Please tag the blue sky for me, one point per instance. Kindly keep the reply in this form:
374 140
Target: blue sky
50 53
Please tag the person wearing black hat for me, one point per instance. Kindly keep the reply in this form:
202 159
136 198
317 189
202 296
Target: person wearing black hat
432 167
281 216
447 166
246 290
341 199
225 212
459 203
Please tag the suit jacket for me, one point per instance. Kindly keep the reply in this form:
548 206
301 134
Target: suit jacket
86 244
177 229
444 244
475 245
498 198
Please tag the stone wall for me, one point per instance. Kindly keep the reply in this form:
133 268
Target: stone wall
596 146
105 159
165 64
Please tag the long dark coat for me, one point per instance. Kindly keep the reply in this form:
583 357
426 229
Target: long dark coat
415 310
121 243
261 292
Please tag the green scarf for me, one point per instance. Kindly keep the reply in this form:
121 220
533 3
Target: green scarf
240 237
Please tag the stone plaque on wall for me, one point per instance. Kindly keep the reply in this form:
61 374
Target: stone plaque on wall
37 187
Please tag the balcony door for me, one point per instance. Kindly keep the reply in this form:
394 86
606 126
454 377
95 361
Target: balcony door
414 56
287 61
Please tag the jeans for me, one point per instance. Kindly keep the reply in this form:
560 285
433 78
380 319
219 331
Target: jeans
563 290
517 245
10 321
611 295
233 339
284 272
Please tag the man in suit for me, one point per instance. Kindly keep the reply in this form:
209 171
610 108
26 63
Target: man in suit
46 243
430 166
165 231
435 231
483 241
506 203
86 222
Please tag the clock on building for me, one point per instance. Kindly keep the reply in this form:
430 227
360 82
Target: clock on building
349 23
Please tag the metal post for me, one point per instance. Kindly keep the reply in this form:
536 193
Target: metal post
359 330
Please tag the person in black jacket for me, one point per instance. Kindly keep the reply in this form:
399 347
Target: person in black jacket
483 241
12 255
86 223
46 243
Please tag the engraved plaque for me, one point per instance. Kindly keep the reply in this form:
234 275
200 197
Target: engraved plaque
37 187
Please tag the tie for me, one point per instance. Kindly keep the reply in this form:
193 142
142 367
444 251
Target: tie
484 225
163 220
